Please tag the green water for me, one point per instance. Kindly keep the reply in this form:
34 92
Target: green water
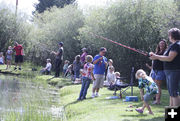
20 99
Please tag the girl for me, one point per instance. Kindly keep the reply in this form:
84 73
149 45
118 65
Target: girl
87 76
151 89
65 67
157 72
1 58
9 57
110 76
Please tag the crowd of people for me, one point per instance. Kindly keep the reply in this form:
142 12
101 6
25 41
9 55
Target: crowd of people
86 69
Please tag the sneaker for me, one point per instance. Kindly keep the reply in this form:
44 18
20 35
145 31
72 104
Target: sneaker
97 95
93 95
19 68
139 110
15 68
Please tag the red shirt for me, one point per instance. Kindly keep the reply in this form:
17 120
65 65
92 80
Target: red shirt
18 49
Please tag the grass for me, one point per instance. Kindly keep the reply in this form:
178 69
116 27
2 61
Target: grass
97 109
102 109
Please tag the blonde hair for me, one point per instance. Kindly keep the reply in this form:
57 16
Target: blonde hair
89 58
139 72
117 73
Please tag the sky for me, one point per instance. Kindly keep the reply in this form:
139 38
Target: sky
27 5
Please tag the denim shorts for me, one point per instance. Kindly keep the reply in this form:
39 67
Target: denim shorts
158 75
148 97
173 82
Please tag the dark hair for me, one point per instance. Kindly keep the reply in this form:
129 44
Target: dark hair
61 43
158 50
102 49
174 33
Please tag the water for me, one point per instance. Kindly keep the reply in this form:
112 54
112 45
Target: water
21 97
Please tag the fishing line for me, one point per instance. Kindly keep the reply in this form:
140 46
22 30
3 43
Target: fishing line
130 48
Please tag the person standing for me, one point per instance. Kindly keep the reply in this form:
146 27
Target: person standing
9 57
59 59
171 59
157 72
83 56
19 55
100 65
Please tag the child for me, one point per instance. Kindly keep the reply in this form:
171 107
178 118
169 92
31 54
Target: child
9 57
117 81
110 76
87 76
47 69
151 89
70 71
76 68
65 67
1 58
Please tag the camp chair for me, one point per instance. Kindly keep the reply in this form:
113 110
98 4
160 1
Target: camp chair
124 87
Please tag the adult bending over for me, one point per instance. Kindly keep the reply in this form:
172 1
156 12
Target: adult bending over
100 65
171 59
59 58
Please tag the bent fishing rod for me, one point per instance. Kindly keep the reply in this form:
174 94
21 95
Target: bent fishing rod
125 46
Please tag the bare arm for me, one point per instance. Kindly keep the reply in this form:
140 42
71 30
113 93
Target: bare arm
169 58
147 65
97 60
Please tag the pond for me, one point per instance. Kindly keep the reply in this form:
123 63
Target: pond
21 99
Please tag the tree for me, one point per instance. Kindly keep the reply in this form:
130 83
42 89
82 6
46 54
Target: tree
46 4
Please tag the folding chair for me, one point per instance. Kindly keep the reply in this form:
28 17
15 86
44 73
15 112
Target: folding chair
124 87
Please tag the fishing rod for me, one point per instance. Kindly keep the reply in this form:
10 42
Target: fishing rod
130 48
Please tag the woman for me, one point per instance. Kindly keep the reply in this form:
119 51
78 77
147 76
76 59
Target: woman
171 59
157 72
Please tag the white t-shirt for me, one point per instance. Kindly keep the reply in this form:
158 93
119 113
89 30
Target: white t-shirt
48 66
111 77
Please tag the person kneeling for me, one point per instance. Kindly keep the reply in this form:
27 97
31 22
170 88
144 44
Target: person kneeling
47 69
87 76
151 89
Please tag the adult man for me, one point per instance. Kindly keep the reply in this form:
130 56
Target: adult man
59 58
100 65
19 55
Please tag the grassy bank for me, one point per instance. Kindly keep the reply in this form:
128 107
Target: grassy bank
102 109
97 109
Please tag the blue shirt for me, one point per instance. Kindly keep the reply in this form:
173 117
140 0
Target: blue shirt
100 66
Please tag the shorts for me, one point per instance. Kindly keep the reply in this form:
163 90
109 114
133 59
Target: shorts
158 75
18 59
148 97
9 58
99 82
173 80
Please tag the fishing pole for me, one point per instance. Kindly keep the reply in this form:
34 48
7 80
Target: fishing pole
125 46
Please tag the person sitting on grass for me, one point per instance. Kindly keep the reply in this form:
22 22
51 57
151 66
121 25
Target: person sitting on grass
110 76
87 76
65 67
47 69
151 89
1 58
9 57
70 72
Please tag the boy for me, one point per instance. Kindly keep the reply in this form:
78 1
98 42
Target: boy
47 69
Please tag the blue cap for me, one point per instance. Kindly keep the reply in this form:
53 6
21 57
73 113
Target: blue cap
61 43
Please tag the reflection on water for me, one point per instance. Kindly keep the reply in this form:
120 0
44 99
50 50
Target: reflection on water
20 96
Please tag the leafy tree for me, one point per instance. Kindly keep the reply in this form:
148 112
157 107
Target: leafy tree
47 4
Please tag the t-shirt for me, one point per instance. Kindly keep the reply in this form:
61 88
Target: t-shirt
87 70
149 85
60 55
48 66
76 66
65 66
9 53
18 49
174 64
157 64
83 56
100 66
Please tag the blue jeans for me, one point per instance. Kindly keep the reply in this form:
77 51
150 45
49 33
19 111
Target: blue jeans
76 74
85 85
